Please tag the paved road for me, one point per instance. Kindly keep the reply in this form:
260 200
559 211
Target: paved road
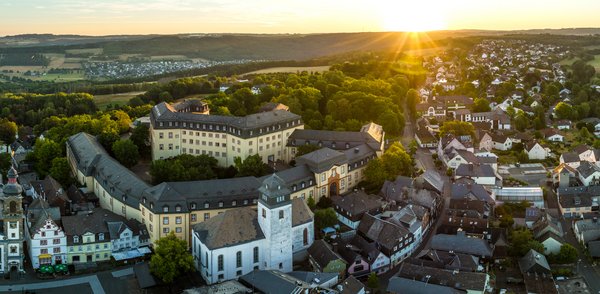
91 280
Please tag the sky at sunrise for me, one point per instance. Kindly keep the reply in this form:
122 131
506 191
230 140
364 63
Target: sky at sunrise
105 17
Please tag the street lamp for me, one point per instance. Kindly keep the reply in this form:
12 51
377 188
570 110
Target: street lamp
578 261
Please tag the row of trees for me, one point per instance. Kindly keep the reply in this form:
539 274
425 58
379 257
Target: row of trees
187 167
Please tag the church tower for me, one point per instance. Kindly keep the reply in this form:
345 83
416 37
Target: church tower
12 217
275 220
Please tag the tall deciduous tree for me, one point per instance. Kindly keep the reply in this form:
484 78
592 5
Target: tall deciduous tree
481 105
8 131
171 258
61 171
563 110
140 137
126 152
251 166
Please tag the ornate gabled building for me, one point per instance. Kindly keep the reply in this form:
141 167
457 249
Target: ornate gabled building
12 237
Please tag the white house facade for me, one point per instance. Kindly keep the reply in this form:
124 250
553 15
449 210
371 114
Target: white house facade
239 241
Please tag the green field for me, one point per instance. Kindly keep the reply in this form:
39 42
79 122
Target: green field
595 63
291 69
120 99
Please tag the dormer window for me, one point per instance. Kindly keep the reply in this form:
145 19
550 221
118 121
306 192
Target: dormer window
151 205
220 203
206 205
347 145
233 203
75 239
178 208
193 206
165 208
294 188
144 200
101 236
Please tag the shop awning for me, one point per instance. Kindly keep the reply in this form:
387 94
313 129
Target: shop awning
133 253
44 256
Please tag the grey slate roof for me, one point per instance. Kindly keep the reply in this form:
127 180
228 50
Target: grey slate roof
354 204
230 228
164 112
534 262
570 157
332 139
588 229
118 180
322 254
461 243
401 285
587 169
351 285
322 159
85 149
594 248
272 282
309 277
475 170
462 281
38 212
211 192
95 222
473 191
385 233
301 214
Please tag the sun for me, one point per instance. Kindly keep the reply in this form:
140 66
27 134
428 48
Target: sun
411 16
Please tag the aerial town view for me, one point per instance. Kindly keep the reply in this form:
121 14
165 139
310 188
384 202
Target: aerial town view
299 147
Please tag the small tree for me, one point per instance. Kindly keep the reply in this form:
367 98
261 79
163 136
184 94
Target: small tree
325 218
311 203
126 152
373 281
171 258
567 254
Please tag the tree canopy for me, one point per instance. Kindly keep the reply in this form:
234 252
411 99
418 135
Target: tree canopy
253 165
394 162
8 131
126 152
171 258
481 105
457 128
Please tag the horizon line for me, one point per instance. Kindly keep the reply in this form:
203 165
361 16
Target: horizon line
290 33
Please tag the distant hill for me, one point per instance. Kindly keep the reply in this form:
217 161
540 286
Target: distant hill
230 46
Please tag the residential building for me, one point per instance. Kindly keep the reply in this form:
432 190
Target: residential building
52 191
46 240
177 129
241 240
392 239
398 285
351 207
573 202
323 259
91 237
482 174
425 139
552 135
460 243
588 173
535 151
537 274
471 191
587 230
468 282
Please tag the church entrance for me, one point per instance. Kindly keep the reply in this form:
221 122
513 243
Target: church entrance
333 189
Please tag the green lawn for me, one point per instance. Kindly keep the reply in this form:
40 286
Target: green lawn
120 99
